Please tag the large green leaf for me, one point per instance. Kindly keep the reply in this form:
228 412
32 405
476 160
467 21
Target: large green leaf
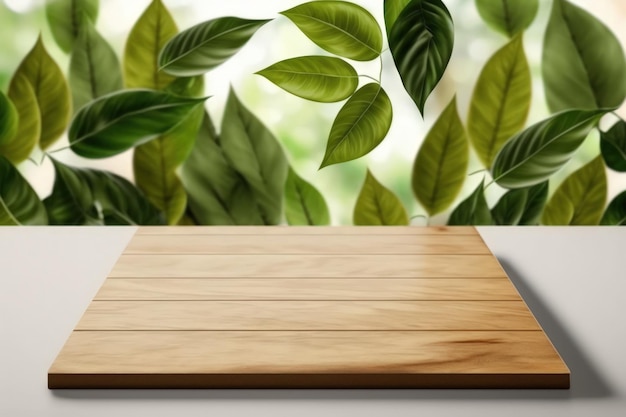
521 207
339 27
441 165
148 37
534 155
218 195
304 204
155 164
501 101
615 214
19 204
66 18
378 206
91 197
9 120
94 68
52 92
117 122
393 8
20 146
207 45
509 17
583 62
360 126
613 144
318 78
256 154
421 43
473 211
581 199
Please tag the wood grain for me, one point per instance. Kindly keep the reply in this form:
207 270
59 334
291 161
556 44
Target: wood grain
307 266
196 289
309 244
304 230
307 315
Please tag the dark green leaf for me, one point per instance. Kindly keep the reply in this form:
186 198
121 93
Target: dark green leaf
66 18
304 204
501 101
393 8
91 197
474 211
581 199
94 67
318 78
19 204
360 126
21 145
378 206
441 165
203 47
339 27
521 207
615 214
119 121
613 144
577 72
51 90
509 17
256 154
9 120
421 43
534 155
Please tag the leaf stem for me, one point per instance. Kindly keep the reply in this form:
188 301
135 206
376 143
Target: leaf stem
477 172
370 77
380 73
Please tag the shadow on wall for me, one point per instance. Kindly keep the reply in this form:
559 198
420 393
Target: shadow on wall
187 172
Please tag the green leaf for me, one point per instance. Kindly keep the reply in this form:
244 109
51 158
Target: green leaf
9 120
91 197
21 145
441 165
594 75
534 155
304 204
52 92
378 206
218 195
339 27
521 207
203 47
117 122
317 78
360 126
155 164
148 37
615 214
509 17
473 211
421 43
501 101
393 8
254 152
94 68
66 18
613 144
19 204
581 199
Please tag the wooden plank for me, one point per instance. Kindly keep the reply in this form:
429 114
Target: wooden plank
307 315
305 230
196 289
308 360
309 244
307 266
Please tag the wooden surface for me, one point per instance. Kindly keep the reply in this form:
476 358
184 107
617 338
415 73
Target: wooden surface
307 308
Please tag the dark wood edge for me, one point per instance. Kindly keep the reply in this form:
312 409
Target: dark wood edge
308 381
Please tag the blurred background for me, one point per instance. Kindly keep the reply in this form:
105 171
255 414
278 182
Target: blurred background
302 126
